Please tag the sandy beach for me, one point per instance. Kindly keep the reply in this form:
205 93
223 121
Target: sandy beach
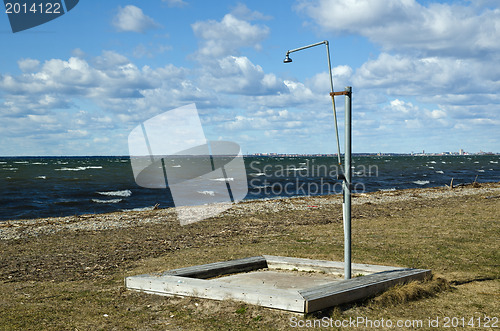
68 272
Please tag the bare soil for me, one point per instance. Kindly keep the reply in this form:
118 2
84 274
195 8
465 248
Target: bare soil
67 273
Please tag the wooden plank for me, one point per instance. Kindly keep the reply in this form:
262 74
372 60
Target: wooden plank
354 289
212 289
191 281
340 93
290 263
215 269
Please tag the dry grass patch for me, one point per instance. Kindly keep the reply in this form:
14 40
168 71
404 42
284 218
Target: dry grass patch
412 291
74 280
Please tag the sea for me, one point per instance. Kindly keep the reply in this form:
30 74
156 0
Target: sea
36 187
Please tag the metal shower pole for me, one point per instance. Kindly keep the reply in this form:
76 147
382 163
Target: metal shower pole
347 175
347 184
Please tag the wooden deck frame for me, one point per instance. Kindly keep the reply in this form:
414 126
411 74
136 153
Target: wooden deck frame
194 281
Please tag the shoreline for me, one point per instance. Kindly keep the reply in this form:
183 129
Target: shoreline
24 228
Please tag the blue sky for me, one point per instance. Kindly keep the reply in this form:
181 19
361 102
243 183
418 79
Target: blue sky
425 74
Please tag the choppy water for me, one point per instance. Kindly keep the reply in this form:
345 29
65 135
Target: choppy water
60 186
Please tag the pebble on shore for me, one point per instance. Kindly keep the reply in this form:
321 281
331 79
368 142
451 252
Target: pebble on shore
16 229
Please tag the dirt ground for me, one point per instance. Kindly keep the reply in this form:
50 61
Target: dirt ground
73 278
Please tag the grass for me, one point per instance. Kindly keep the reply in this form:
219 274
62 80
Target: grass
74 280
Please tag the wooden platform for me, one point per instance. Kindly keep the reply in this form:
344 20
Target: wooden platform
262 289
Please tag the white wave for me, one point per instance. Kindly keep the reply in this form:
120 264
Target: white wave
433 162
140 209
495 162
476 162
296 169
21 162
431 167
38 163
261 186
211 193
258 174
421 182
439 172
229 179
3 162
480 170
79 168
13 169
176 166
71 169
443 162
41 177
388 189
106 201
124 193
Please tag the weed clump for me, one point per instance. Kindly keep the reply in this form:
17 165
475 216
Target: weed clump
412 291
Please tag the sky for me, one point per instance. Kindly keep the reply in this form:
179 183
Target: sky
425 75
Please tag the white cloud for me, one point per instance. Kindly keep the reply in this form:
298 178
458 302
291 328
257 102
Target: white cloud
175 3
238 75
396 24
241 11
150 50
437 114
101 140
78 133
401 106
412 100
131 19
28 65
109 59
223 38
341 75
429 77
110 82
42 118
264 120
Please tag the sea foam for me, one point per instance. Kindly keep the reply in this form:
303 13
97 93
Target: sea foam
123 193
79 168
106 201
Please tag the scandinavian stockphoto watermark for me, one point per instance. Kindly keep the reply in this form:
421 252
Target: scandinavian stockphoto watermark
385 323
170 151
304 179
26 14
